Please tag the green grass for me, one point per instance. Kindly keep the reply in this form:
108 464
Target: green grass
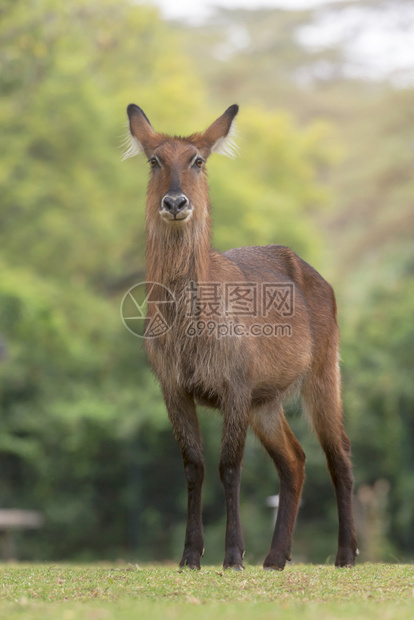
370 591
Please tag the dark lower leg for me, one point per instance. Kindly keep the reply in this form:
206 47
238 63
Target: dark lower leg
291 473
182 413
194 544
232 448
341 472
321 396
234 543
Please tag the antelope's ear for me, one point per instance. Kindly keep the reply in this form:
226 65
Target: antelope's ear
219 137
141 135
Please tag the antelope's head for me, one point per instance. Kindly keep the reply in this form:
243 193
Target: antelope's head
177 189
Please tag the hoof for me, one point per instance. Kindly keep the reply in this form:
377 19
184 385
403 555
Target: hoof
190 560
189 566
273 567
275 562
233 558
345 558
345 564
237 567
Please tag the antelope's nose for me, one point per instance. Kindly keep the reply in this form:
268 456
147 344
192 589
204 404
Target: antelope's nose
174 203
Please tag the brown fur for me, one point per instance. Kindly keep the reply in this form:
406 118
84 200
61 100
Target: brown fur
246 378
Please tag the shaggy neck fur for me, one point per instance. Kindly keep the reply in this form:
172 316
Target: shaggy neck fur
178 253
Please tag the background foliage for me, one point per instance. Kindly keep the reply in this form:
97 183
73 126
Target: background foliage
325 167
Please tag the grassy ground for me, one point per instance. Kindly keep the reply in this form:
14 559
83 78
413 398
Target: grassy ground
370 591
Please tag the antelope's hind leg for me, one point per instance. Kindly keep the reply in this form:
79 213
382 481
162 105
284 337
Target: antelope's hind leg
321 398
183 417
270 425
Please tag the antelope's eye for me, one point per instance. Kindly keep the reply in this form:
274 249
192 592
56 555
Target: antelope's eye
199 162
153 162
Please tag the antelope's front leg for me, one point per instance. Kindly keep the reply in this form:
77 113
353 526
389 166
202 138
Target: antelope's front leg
183 416
232 448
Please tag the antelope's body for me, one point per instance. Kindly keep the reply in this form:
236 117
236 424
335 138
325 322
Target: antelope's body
246 373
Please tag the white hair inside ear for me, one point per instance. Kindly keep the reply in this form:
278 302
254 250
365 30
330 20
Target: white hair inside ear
130 146
227 146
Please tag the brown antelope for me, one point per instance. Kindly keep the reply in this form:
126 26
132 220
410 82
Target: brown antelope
245 372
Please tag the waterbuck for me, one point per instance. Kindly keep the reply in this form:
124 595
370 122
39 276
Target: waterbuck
250 326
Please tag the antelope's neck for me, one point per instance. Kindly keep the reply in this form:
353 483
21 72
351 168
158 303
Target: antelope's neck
178 254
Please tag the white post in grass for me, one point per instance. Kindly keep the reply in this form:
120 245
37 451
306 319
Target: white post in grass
273 502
